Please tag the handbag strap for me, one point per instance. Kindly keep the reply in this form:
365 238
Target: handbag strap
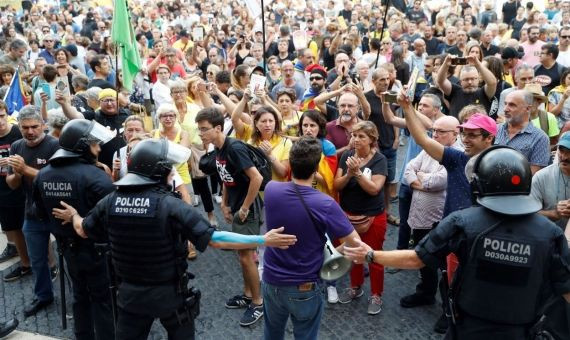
315 224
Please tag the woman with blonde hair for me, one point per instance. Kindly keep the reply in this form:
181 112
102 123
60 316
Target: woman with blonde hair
240 77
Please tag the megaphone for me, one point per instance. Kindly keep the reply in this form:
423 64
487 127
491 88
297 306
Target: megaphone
335 265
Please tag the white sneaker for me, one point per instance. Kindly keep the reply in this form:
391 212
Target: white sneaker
195 200
218 199
332 295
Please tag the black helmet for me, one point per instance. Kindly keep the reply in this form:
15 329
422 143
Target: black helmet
151 161
501 181
77 135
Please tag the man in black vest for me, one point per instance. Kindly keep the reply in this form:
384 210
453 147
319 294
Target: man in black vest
511 259
71 176
148 227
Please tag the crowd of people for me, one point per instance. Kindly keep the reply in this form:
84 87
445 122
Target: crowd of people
445 80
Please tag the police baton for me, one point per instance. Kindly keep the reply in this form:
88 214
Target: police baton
112 286
62 286
447 299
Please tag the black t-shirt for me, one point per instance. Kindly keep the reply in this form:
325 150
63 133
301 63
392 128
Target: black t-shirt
433 46
102 83
353 198
114 122
416 16
9 197
459 99
510 11
36 157
386 138
491 51
550 77
232 172
455 51
328 60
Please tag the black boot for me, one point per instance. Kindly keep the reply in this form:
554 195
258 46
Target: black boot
7 327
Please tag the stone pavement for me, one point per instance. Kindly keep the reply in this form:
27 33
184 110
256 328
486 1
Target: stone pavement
218 277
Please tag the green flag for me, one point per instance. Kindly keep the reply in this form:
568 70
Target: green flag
123 36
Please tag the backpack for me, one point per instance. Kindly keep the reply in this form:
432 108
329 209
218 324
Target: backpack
259 160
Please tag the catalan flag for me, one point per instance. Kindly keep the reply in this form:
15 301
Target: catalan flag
327 168
15 98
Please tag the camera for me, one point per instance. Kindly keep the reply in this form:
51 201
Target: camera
390 97
459 61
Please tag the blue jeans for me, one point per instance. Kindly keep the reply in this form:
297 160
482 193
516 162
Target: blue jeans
37 234
404 203
305 308
391 157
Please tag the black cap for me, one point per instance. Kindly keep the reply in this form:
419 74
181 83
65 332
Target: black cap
183 33
509 52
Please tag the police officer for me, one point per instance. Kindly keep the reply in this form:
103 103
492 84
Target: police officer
511 259
147 227
71 176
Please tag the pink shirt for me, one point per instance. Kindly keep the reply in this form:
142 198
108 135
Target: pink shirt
532 52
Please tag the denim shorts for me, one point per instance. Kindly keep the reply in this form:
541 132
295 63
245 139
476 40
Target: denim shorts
391 157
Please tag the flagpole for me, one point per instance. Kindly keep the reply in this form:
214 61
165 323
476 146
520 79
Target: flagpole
382 33
263 32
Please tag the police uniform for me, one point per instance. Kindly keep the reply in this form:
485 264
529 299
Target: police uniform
148 227
72 177
511 259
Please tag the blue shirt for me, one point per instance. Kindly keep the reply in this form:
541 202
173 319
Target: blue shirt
531 141
50 59
458 189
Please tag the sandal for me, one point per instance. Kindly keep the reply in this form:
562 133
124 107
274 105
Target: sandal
393 220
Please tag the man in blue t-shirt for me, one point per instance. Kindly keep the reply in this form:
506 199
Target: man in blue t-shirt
477 135
291 283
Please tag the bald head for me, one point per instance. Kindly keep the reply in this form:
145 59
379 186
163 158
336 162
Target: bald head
446 130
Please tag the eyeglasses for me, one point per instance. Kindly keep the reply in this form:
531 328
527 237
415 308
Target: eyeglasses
165 116
204 129
316 78
45 40
470 135
108 101
177 92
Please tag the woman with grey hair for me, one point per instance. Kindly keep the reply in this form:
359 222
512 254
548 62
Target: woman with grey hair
55 122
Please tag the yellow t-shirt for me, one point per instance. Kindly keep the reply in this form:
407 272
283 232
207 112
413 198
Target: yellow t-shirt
290 127
281 147
182 168
553 129
179 45
189 123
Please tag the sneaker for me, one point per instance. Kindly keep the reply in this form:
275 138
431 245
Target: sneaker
350 294
374 304
391 270
251 315
332 295
54 271
238 301
17 273
8 253
441 324
195 200
415 300
218 199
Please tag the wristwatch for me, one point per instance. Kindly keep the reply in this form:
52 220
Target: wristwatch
369 257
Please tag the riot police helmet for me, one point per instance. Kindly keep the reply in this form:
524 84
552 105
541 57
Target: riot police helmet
77 136
501 182
151 161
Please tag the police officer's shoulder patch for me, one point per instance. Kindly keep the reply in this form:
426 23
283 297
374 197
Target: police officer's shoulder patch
134 205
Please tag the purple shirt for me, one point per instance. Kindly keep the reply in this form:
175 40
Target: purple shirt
301 262
337 134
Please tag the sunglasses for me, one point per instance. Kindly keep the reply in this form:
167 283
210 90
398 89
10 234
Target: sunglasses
565 37
316 78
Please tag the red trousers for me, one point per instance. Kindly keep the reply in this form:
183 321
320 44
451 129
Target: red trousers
374 237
